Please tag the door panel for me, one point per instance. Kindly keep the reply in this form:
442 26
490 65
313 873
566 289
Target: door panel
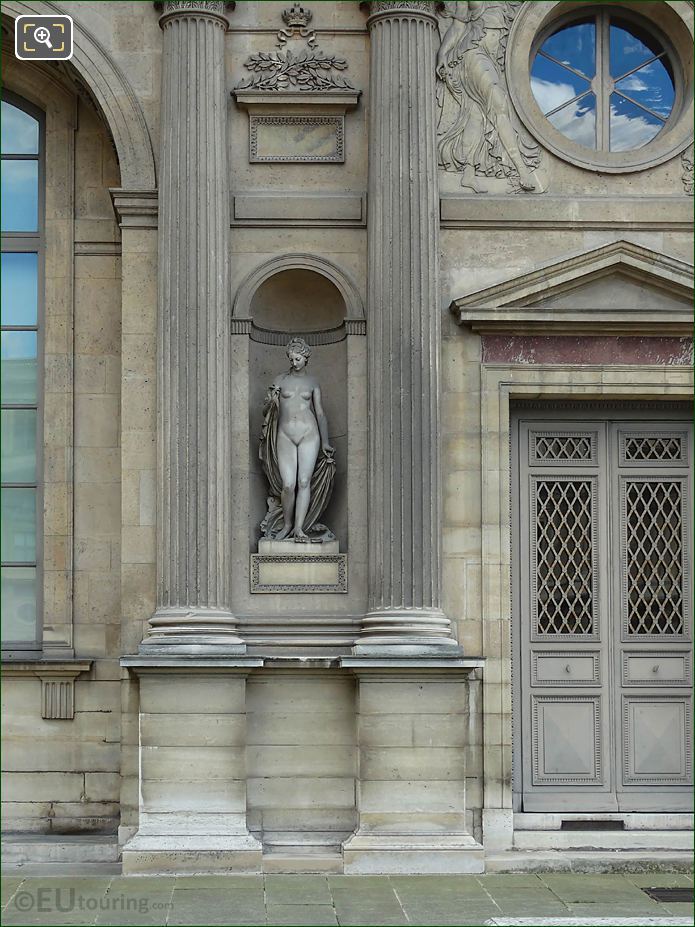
652 590
657 746
566 740
565 710
604 610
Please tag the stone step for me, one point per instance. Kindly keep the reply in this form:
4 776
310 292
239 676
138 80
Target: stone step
590 861
41 849
302 859
603 839
552 820
318 838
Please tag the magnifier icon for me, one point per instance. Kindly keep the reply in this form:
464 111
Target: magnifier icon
42 35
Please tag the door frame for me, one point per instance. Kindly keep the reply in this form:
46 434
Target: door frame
608 413
500 384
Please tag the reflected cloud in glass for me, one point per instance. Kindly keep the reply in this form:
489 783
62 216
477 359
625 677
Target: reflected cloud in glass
577 121
631 127
553 85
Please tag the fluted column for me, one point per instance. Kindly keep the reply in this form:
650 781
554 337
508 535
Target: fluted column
193 389
403 328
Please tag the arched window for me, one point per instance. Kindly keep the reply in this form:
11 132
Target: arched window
22 273
605 80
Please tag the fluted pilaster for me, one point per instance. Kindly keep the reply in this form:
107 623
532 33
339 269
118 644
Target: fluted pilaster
194 434
403 327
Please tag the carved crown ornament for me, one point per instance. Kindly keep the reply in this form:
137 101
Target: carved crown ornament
297 19
299 66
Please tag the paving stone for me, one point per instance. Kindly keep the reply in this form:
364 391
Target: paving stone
614 910
611 889
678 908
297 889
661 879
8 888
145 901
644 921
297 915
527 907
238 884
509 882
56 900
437 887
435 916
215 907
365 900
360 916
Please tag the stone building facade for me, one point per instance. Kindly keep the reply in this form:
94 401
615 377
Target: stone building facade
478 216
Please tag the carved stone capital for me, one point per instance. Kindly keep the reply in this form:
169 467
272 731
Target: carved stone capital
181 8
386 9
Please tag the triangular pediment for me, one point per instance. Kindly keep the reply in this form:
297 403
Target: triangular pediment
619 283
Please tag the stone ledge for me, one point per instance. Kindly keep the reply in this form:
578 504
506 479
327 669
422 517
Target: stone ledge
165 663
533 320
300 209
57 683
650 213
319 100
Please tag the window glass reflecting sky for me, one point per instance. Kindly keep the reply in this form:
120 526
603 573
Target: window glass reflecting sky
578 121
575 46
20 131
20 196
627 51
631 126
19 278
637 64
651 86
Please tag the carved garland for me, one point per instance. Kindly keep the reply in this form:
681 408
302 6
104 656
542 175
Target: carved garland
309 69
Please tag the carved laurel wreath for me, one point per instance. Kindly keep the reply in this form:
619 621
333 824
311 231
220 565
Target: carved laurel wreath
309 70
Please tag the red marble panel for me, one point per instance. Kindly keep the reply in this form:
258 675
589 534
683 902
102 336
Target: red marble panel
586 349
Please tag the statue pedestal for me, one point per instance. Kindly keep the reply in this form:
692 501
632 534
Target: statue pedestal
287 567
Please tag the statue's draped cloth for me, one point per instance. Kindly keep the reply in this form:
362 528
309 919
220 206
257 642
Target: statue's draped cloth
321 487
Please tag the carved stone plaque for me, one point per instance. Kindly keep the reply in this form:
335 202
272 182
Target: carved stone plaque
284 566
296 138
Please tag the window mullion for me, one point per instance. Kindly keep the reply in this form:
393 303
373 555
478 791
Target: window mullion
603 76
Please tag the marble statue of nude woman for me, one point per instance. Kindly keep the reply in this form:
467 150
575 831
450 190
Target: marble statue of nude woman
295 453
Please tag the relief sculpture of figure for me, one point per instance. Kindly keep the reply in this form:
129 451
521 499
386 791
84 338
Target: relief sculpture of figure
477 136
295 453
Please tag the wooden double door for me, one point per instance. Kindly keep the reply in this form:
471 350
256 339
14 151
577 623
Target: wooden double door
603 611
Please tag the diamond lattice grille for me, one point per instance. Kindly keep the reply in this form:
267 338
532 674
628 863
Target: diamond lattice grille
654 544
564 557
563 447
653 447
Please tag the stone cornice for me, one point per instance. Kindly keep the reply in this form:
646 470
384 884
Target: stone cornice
135 208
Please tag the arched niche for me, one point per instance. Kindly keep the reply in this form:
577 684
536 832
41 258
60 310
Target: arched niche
354 307
297 300
308 296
